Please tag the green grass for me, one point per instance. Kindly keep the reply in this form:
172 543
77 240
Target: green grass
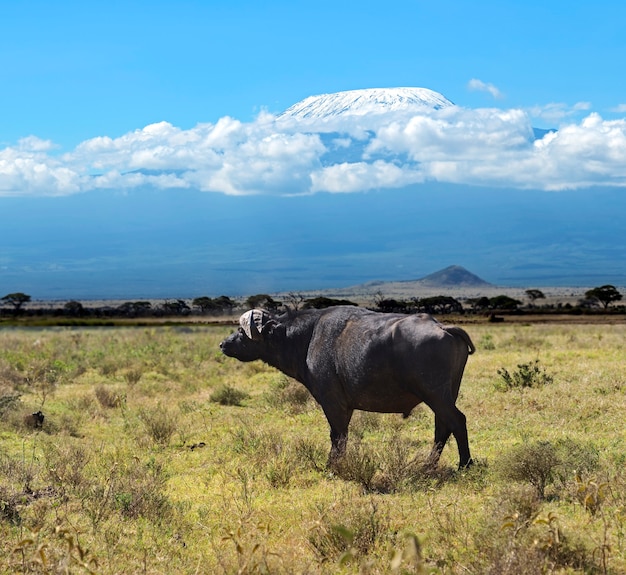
160 455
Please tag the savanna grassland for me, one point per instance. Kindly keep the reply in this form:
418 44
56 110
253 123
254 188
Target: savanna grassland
158 454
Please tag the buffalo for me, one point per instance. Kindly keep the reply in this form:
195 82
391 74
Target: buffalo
353 358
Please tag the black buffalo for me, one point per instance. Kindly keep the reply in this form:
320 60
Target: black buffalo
351 358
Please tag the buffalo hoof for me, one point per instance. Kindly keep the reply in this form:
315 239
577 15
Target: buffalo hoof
467 465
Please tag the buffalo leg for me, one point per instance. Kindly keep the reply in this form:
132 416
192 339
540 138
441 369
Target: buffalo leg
442 434
450 420
339 420
460 434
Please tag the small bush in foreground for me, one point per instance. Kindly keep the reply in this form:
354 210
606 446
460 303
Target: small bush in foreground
349 531
228 395
107 397
160 423
542 463
357 464
289 394
527 375
534 463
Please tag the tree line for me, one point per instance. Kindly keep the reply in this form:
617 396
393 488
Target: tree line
597 298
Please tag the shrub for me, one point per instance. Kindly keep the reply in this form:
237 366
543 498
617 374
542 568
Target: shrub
357 464
577 459
534 463
308 452
160 423
10 504
253 441
66 465
8 401
108 398
486 342
228 395
289 394
402 468
349 531
140 491
527 375
132 376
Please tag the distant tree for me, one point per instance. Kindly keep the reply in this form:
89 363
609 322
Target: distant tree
378 298
219 304
480 303
534 294
440 304
604 294
205 303
504 302
263 301
178 307
324 302
224 303
135 308
390 305
295 300
17 300
74 308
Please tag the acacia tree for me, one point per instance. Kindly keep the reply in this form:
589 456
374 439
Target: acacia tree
604 294
295 300
504 302
17 300
534 294
208 304
439 304
262 300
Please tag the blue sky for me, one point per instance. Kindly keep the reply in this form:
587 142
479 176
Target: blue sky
71 71
104 99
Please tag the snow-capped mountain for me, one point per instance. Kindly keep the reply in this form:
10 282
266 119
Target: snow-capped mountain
366 102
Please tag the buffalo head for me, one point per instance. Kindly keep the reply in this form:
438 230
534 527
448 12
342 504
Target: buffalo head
249 341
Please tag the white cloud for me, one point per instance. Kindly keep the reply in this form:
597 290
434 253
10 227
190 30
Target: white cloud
27 169
362 176
479 86
456 132
555 112
492 147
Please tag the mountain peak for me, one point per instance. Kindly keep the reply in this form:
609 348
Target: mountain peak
453 276
365 102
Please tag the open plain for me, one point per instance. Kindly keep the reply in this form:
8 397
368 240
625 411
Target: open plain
157 454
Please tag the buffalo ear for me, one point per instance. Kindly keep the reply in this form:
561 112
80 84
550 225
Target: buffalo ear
269 326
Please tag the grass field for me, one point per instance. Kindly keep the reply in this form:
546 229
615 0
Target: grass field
158 454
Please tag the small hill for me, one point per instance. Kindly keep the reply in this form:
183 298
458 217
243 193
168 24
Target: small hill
453 277
454 281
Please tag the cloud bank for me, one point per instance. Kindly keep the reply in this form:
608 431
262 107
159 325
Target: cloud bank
278 156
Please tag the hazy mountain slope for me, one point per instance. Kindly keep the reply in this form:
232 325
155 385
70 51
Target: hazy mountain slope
191 243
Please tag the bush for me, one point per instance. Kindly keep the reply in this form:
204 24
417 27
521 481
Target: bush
357 464
160 423
527 375
289 394
108 398
349 531
228 395
534 463
403 469
8 401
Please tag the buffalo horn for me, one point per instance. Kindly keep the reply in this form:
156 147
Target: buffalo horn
248 322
